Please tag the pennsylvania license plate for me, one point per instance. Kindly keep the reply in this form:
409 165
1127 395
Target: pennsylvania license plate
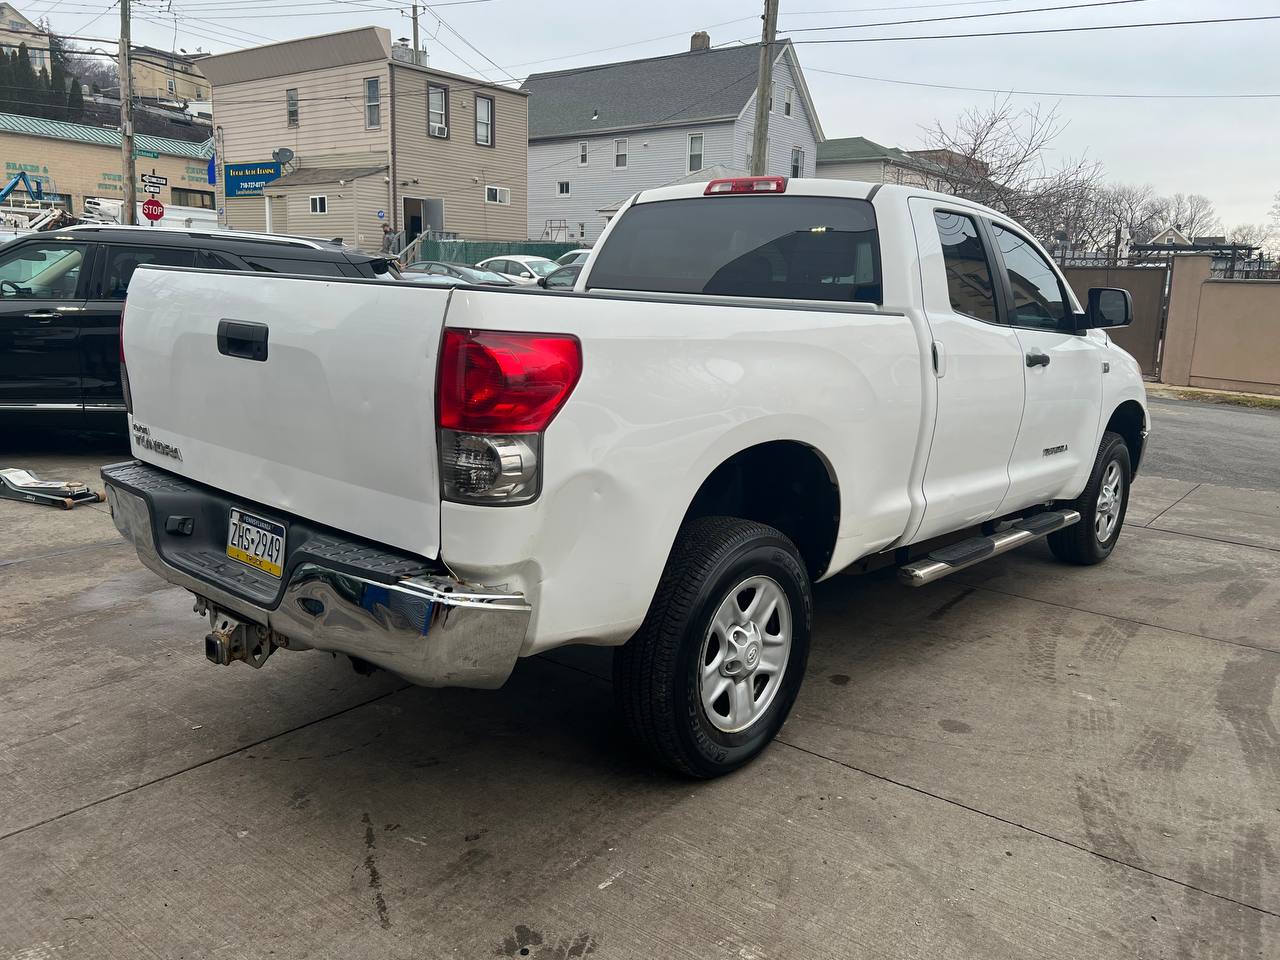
257 542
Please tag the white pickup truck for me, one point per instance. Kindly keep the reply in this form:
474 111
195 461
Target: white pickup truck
755 384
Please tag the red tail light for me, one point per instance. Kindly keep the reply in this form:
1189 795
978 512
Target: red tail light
747 185
501 382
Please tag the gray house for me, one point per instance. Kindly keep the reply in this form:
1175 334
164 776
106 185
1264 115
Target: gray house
599 134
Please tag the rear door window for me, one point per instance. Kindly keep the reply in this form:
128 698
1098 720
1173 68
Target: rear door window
314 268
969 285
776 246
121 261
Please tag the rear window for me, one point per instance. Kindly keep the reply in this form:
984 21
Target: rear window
315 268
777 246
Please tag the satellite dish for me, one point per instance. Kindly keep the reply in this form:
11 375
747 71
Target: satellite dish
282 156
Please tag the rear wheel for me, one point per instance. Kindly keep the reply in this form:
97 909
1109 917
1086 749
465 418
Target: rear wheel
711 675
1102 507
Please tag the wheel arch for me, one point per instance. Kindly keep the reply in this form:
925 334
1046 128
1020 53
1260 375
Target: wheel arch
1129 420
789 485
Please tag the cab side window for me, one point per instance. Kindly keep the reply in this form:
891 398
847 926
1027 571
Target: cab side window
41 271
1038 298
122 261
969 284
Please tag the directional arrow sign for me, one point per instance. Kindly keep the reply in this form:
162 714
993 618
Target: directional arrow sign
155 180
150 188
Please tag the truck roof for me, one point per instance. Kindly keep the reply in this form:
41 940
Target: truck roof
819 187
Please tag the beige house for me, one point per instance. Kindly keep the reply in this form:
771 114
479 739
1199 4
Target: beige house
857 158
15 29
374 140
165 75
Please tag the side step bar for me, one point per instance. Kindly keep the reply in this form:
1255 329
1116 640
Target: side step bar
966 553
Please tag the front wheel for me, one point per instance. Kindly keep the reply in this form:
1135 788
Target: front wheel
711 675
1102 507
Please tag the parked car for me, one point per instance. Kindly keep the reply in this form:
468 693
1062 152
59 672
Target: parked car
62 294
759 383
562 279
435 280
472 275
519 268
578 256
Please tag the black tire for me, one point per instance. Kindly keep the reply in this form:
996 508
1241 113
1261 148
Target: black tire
1081 543
656 674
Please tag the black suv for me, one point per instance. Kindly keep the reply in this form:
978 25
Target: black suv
62 293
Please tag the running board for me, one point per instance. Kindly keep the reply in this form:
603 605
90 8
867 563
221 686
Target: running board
966 553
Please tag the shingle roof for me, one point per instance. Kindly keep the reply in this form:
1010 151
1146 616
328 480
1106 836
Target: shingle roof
687 87
306 175
104 136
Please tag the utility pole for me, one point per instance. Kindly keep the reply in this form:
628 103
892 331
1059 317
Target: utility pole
416 55
130 211
764 88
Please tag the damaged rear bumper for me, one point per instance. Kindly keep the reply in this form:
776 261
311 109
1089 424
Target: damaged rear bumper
398 612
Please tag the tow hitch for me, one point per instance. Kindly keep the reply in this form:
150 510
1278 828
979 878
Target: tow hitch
232 640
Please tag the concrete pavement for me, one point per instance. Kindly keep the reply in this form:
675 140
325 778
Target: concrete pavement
1027 760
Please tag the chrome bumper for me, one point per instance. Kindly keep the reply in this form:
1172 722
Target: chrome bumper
431 630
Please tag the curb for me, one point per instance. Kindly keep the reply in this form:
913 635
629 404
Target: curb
1258 401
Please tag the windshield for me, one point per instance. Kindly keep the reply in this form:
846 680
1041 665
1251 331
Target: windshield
777 246
541 268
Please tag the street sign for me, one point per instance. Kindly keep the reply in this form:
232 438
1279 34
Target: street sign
149 154
154 180
150 188
153 209
248 179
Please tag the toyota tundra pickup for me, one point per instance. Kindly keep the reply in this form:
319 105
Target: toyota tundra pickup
755 384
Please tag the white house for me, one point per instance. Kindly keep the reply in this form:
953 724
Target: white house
599 134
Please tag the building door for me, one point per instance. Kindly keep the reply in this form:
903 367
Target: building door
41 305
414 218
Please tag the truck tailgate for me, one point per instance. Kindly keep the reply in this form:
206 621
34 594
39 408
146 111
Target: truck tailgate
336 424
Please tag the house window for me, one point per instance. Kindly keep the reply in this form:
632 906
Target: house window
562 188
484 121
291 107
771 98
787 101
320 204
620 153
797 162
582 229
751 154
695 152
182 197
372 103
1169 241
437 111
172 88
494 194
583 148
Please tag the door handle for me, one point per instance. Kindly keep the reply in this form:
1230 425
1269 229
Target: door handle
1037 359
44 316
242 338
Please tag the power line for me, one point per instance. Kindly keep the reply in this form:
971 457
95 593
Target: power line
1044 30
966 16
444 23
1054 93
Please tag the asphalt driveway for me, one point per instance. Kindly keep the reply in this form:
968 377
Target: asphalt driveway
1026 760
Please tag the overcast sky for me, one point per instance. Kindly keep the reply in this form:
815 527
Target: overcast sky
1228 149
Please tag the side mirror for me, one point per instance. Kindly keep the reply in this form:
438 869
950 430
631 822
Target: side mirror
525 274
542 282
1108 307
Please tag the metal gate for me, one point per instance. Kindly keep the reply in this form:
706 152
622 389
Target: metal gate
1147 281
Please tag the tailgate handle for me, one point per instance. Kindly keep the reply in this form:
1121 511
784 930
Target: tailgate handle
241 338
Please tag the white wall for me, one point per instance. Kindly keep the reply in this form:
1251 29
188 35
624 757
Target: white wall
785 132
654 157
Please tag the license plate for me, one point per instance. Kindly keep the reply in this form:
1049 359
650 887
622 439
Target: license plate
257 542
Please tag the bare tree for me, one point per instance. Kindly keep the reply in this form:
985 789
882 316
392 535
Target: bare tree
1192 213
1275 211
92 66
1260 235
998 156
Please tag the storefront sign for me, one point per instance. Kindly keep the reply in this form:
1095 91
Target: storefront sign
248 179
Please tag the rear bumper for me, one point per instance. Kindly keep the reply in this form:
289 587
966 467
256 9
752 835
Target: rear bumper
341 596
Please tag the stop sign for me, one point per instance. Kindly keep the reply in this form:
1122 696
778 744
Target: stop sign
153 209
